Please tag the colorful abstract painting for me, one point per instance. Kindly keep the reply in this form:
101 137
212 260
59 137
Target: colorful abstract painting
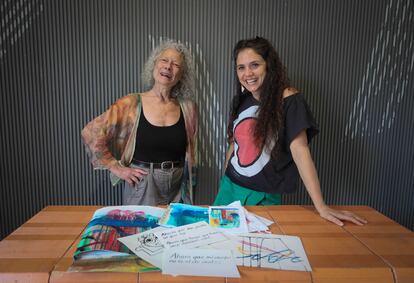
224 217
271 251
266 251
228 219
99 248
178 214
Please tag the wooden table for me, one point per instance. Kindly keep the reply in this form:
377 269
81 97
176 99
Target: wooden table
41 250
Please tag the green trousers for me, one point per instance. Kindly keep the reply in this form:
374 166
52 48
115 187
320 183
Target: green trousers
230 192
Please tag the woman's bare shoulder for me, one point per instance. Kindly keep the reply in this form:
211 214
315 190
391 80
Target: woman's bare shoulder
289 91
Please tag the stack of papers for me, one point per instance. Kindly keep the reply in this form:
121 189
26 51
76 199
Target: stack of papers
214 246
175 250
184 240
232 218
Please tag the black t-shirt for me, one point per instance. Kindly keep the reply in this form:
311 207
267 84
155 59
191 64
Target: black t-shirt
252 167
158 144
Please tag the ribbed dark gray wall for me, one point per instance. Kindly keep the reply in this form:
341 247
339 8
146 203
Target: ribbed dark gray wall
64 62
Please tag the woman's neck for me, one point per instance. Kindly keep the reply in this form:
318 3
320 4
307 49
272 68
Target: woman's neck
162 92
256 95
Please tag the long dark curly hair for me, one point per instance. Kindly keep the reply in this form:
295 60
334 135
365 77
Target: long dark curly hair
270 117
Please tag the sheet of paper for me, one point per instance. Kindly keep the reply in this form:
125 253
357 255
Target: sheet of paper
188 236
146 245
228 219
199 262
265 250
271 251
265 221
254 224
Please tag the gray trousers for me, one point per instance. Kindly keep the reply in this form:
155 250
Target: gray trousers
159 186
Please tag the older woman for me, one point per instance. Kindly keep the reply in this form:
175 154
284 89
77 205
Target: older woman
148 139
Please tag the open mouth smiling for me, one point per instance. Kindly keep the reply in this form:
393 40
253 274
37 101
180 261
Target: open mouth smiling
251 81
166 74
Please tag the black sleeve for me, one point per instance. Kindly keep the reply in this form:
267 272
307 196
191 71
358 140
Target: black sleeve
298 117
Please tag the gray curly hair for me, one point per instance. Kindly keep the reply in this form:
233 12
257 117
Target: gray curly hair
185 87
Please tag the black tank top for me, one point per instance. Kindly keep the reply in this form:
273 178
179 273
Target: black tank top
157 143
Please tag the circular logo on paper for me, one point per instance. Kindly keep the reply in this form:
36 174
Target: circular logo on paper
248 159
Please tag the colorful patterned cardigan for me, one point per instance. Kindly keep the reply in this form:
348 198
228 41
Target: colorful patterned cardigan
110 138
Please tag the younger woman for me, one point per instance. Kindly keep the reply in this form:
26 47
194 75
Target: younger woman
268 132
